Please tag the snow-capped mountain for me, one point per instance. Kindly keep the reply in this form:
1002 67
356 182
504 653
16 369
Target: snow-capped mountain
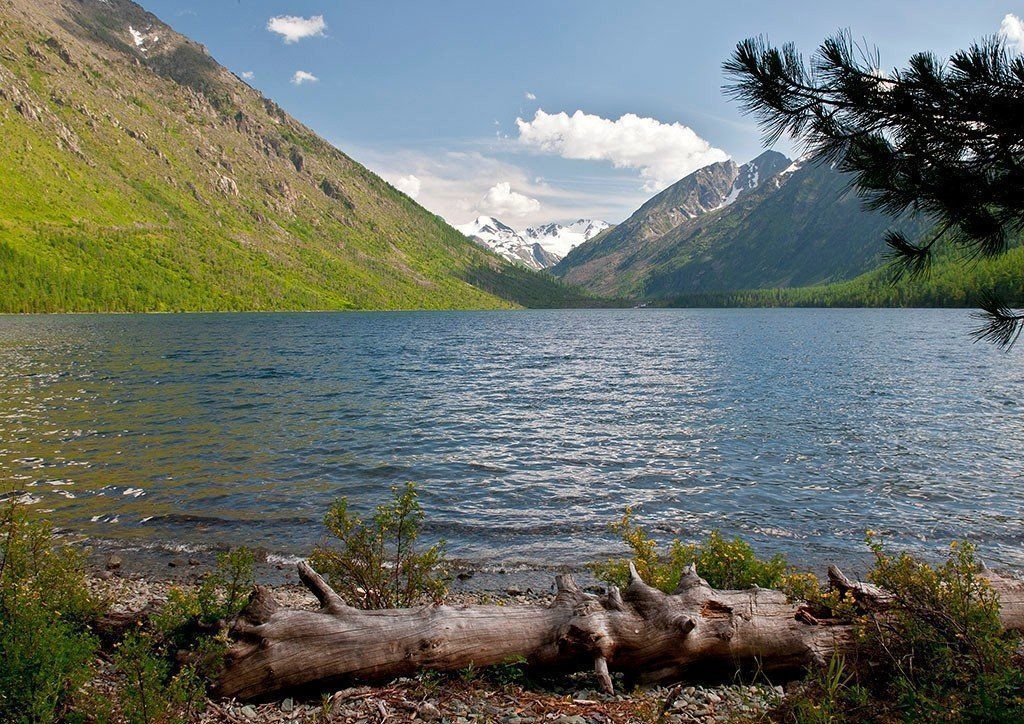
706 190
539 246
560 240
506 241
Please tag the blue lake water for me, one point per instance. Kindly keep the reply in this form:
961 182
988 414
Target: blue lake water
527 432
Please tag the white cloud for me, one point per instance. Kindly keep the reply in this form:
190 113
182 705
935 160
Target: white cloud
530 96
662 152
248 75
302 76
294 28
1011 31
500 200
453 183
409 185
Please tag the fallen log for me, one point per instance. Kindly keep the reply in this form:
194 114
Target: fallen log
650 635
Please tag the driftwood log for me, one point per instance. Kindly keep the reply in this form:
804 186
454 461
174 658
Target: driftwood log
650 635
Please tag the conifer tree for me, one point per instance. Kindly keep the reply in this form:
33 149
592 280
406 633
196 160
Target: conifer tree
940 138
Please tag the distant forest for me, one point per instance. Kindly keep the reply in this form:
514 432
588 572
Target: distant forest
952 281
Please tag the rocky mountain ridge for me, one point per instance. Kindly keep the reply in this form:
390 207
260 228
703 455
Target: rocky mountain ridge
768 223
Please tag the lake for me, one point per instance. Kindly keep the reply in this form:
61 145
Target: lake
527 432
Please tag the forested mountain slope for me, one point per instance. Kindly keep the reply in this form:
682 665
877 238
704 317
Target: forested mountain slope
798 226
138 174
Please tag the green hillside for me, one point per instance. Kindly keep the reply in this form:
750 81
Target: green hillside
148 177
951 282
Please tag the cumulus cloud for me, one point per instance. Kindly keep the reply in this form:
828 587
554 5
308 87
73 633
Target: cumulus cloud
294 28
662 152
248 75
453 183
500 200
1011 31
409 185
530 96
302 76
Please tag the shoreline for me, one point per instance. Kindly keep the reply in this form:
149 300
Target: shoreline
186 567
652 306
164 560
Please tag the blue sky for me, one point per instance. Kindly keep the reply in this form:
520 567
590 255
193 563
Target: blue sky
428 93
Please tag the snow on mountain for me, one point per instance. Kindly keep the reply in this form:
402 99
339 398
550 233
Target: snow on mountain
752 174
496 234
141 38
539 246
506 241
560 240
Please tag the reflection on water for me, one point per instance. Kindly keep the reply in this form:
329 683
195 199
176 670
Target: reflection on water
527 431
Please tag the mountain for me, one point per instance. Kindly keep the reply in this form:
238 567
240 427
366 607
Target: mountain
538 247
504 240
560 240
607 261
138 174
768 223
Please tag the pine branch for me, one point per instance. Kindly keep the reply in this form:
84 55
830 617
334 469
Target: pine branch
1002 326
908 259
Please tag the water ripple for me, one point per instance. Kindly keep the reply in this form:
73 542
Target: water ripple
528 432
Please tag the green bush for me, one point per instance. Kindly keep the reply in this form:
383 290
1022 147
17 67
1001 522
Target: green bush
941 649
937 653
191 628
378 563
219 597
723 563
48 652
46 648
193 623
149 691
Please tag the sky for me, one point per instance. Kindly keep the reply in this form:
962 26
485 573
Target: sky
540 111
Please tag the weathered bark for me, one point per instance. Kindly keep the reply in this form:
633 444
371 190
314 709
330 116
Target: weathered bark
650 635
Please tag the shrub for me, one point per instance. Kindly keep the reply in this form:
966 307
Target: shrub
191 628
941 649
220 596
149 693
722 562
378 563
193 623
937 653
46 647
48 652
